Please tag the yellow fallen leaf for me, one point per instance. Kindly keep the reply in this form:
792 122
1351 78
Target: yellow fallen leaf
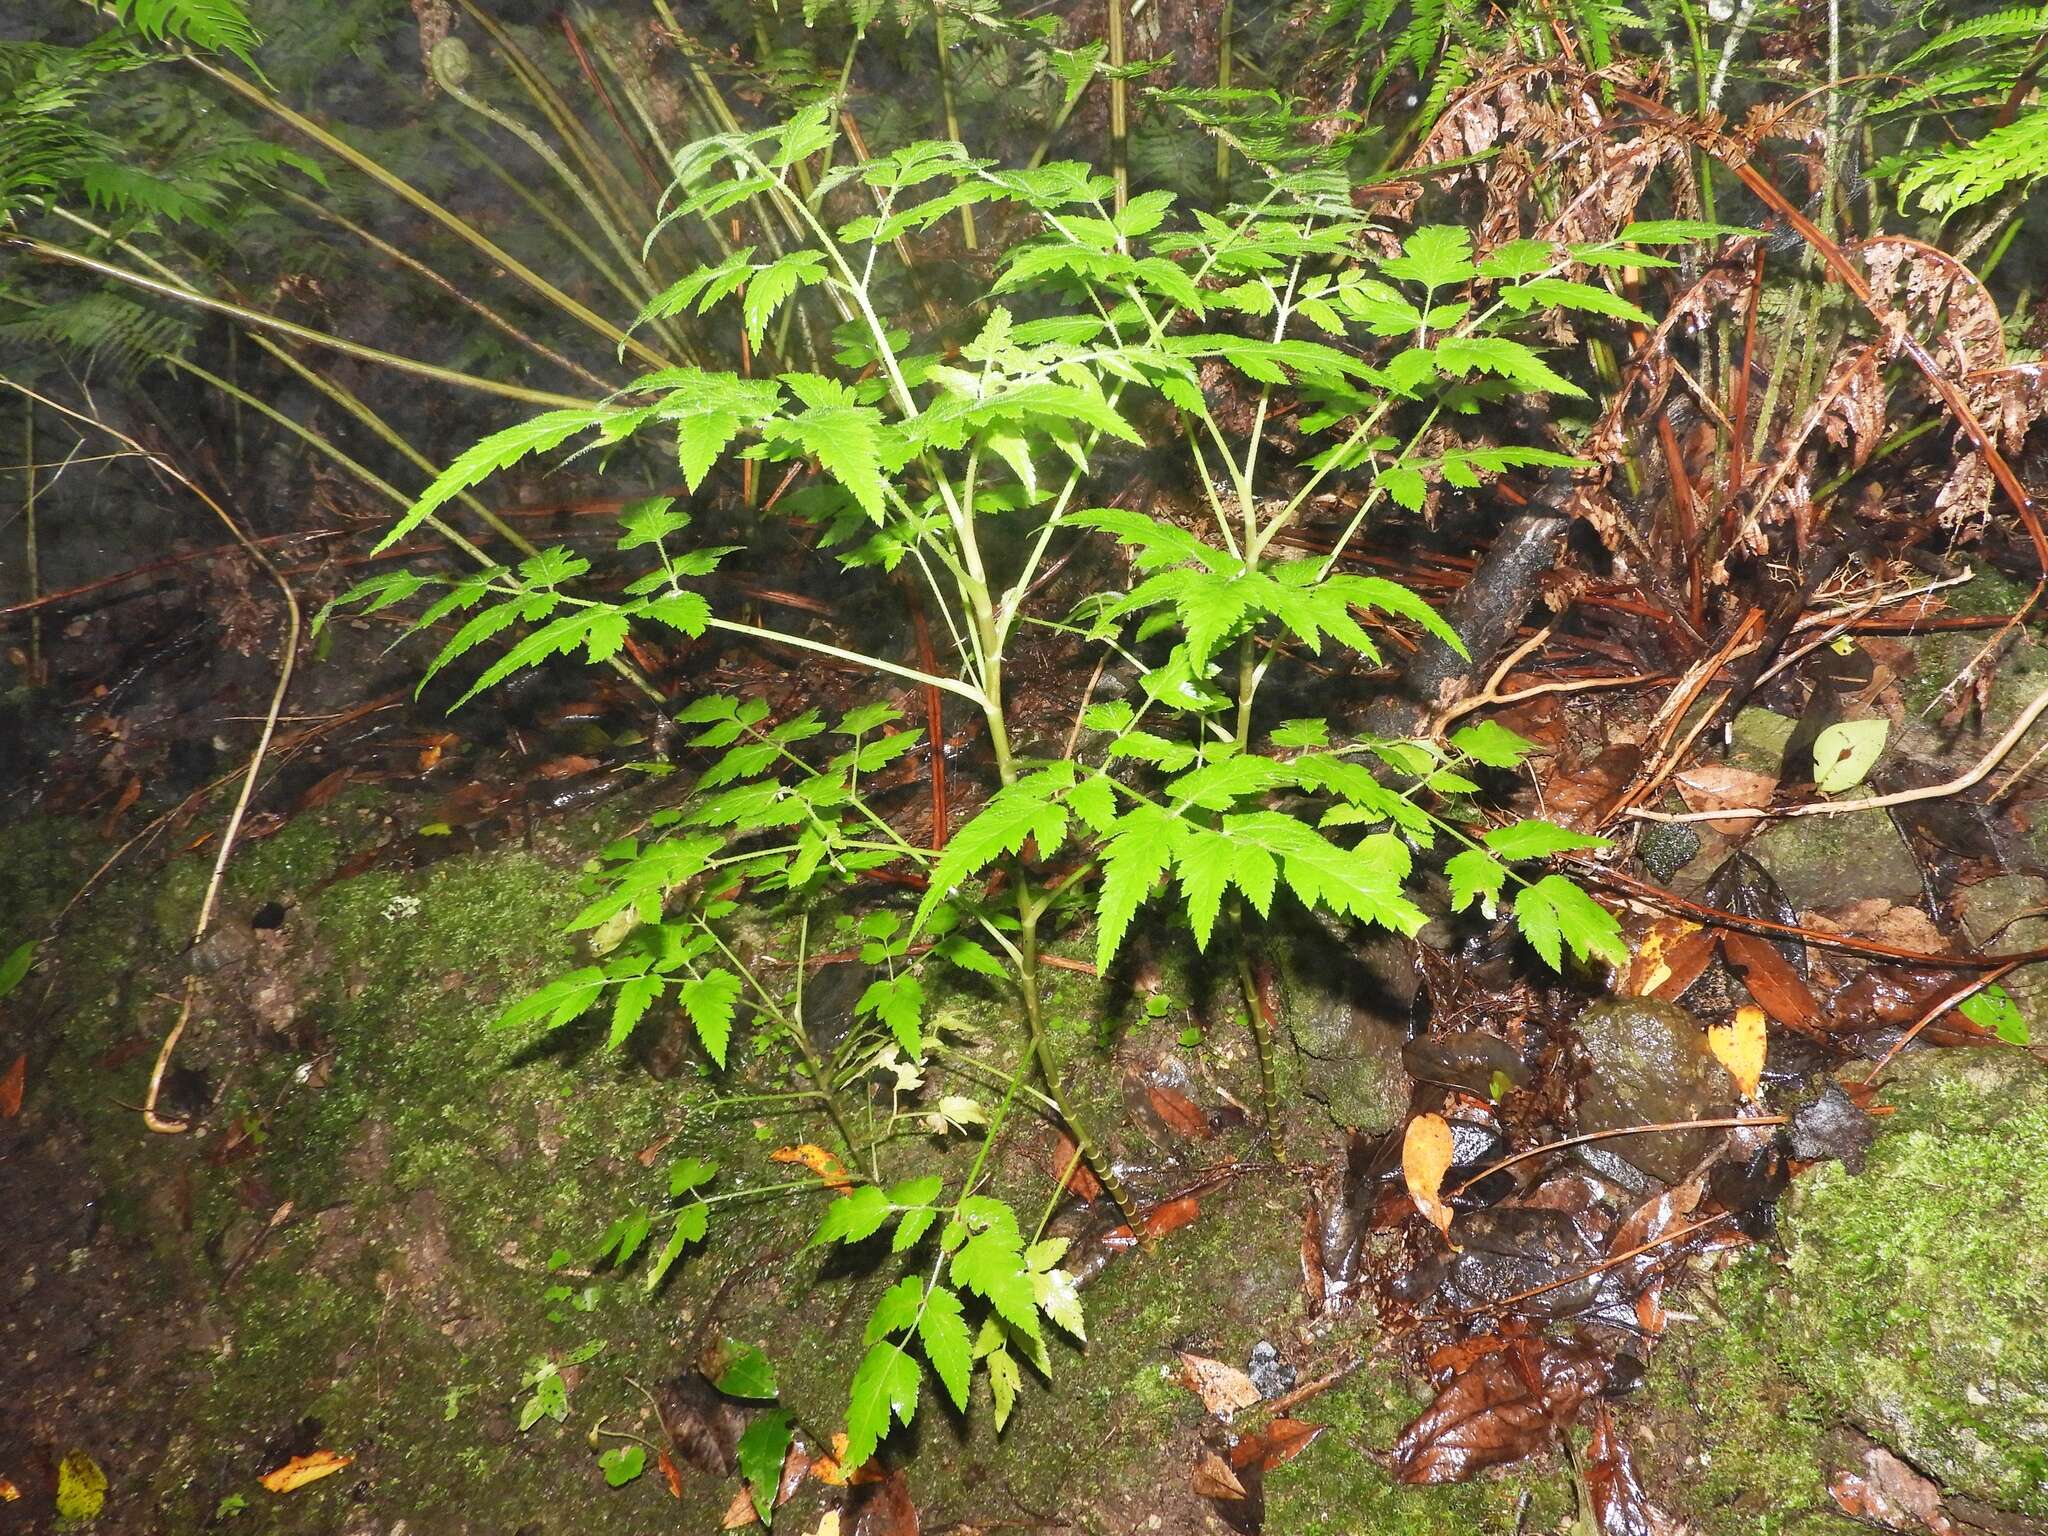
1426 1149
1739 1046
301 1470
826 1466
829 1526
8 1492
830 1171
81 1487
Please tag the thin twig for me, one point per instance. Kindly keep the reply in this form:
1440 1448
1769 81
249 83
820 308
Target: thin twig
289 654
1957 785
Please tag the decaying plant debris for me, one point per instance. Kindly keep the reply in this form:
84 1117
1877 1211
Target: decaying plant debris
1111 768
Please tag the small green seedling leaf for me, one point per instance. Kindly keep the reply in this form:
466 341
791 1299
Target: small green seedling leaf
748 1373
622 1463
1846 751
16 966
1994 1009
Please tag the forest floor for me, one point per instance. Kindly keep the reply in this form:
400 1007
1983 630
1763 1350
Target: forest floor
372 1244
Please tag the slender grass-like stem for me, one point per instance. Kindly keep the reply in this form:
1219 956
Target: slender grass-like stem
450 288
28 528
1119 107
45 251
404 189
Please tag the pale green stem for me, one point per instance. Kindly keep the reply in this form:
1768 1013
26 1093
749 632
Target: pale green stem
566 232
579 190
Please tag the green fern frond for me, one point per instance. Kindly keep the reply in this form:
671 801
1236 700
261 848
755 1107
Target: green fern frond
215 26
1964 175
105 331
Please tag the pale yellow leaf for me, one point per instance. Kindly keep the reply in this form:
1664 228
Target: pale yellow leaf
1739 1046
81 1487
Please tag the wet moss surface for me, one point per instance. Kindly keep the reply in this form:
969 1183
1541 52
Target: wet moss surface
359 1250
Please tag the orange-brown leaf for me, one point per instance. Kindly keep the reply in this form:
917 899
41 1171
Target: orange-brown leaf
11 1085
830 1171
1213 1479
1280 1441
1784 994
1178 1111
1081 1179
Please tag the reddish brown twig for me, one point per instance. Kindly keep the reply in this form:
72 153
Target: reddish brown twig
1948 1000
1821 938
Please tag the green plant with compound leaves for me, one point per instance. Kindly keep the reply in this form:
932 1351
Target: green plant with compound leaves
969 470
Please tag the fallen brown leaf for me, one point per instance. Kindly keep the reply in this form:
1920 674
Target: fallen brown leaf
670 1474
1426 1151
1223 1389
1081 1181
12 1082
1280 1441
1213 1478
1772 981
130 793
1178 1111
739 1514
323 790
1652 964
1508 1403
1619 1504
566 767
883 1507
1721 787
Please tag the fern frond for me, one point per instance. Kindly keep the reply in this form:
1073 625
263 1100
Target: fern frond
1964 175
214 26
107 332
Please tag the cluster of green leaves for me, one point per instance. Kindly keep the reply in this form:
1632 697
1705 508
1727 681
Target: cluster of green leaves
985 1269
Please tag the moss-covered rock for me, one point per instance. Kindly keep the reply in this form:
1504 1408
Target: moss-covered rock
1735 1446
1916 1301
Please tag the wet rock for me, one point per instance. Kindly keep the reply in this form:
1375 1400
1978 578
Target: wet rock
1468 1060
1667 847
1831 1127
2004 913
1649 1063
1273 1376
1916 1296
1344 1007
1825 861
